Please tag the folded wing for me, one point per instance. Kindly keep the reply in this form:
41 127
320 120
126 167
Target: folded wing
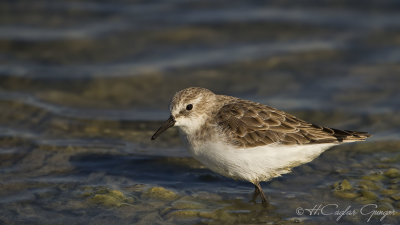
250 124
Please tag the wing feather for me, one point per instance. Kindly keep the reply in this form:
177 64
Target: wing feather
250 124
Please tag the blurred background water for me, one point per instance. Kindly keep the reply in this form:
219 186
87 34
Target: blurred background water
84 84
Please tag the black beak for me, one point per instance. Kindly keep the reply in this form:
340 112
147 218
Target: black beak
167 124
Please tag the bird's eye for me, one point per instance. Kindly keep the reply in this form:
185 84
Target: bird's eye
189 107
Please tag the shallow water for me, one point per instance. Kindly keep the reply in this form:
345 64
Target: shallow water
84 84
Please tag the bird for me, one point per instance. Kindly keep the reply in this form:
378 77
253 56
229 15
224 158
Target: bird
246 140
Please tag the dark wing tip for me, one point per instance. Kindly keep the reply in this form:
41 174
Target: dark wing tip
348 135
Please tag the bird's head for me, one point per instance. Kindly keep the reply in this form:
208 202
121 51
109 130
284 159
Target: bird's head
189 110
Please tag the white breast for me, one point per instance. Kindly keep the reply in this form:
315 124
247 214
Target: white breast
258 163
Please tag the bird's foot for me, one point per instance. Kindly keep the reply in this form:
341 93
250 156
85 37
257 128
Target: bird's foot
264 203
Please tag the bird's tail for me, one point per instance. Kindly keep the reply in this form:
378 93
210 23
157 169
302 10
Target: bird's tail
350 136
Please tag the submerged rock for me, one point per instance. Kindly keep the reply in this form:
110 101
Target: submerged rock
160 193
187 205
392 173
369 195
108 197
106 200
396 196
389 191
343 189
369 185
183 214
343 185
374 177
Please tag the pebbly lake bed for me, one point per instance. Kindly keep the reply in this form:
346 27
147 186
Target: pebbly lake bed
84 85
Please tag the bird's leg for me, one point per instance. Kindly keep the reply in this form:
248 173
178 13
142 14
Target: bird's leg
264 200
255 194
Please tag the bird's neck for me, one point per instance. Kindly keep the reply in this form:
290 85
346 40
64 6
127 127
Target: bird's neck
202 134
193 127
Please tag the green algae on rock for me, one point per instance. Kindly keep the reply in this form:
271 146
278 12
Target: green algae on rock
107 197
344 185
343 189
160 193
396 196
374 177
186 204
392 173
369 195
369 185
183 214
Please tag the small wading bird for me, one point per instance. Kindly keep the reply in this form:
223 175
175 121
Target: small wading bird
246 140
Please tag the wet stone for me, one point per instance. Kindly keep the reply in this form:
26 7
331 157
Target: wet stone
369 195
374 177
396 196
343 189
392 173
343 185
187 205
106 200
183 214
206 196
369 185
389 192
220 214
160 193
108 197
395 181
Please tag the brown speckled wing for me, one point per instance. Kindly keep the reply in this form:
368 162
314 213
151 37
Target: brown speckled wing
250 124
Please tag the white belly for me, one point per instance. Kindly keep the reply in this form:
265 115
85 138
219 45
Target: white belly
255 164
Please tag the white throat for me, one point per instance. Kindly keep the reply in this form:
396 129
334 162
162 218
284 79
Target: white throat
190 125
